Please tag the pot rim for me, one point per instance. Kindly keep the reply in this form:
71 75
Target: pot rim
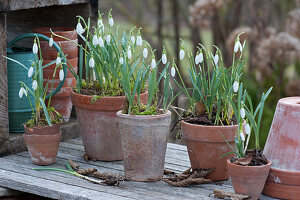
207 126
127 116
108 97
293 101
260 166
56 29
42 127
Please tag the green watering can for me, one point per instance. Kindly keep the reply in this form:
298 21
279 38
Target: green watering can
19 110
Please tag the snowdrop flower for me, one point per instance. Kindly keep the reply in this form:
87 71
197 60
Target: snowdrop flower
235 86
61 74
139 41
110 21
99 22
35 48
237 46
92 62
34 85
129 52
30 72
199 58
58 60
247 129
164 56
100 41
22 92
79 28
173 71
153 63
242 112
132 39
181 54
242 136
108 39
103 80
95 40
145 52
215 58
121 60
51 41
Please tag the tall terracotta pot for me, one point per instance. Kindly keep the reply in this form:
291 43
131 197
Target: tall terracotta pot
98 125
206 146
248 180
282 147
42 143
144 142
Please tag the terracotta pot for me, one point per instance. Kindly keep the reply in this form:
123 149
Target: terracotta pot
43 147
206 145
98 125
248 180
144 142
282 147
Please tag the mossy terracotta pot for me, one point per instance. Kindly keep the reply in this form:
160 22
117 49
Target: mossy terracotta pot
43 143
144 143
282 147
248 180
206 146
98 125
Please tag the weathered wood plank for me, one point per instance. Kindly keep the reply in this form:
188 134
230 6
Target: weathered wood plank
8 192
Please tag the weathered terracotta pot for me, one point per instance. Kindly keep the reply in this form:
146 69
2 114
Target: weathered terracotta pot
282 147
248 180
206 145
98 125
42 143
144 142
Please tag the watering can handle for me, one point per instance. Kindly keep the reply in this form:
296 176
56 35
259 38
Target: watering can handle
57 48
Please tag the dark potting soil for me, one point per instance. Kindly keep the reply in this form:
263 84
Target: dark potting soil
91 90
253 158
204 120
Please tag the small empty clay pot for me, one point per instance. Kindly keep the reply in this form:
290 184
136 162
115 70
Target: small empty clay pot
248 180
43 148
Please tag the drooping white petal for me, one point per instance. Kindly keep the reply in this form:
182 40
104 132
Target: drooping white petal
237 46
21 92
100 23
35 48
25 92
95 40
34 85
108 39
145 52
181 54
129 53
247 129
173 71
121 60
242 112
235 86
201 57
242 136
58 60
79 29
216 59
139 41
61 74
132 39
100 42
92 62
111 21
103 80
153 64
51 42
164 59
30 72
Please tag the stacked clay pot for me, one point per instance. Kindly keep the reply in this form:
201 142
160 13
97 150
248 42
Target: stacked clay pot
62 100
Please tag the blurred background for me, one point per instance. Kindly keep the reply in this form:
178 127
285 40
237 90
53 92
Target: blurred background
271 27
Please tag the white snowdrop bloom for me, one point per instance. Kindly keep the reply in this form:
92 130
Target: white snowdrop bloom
216 59
100 42
111 21
61 74
103 80
79 28
139 41
242 112
132 39
242 136
99 23
237 46
95 40
173 71
34 85
51 42
235 86
164 58
108 39
153 64
145 52
35 48
129 52
181 54
121 60
247 129
199 58
30 71
58 60
92 62
22 92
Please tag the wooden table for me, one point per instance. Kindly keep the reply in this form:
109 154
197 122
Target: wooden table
16 173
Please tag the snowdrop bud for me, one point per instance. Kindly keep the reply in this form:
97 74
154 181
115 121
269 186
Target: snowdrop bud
173 71
111 22
139 41
247 129
100 41
216 59
242 136
237 46
129 52
242 112
201 57
51 41
108 39
132 39
103 80
30 71
22 92
145 52
58 60
92 62
34 85
35 48
121 60
95 40
181 54
61 74
153 63
164 58
79 28
235 86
